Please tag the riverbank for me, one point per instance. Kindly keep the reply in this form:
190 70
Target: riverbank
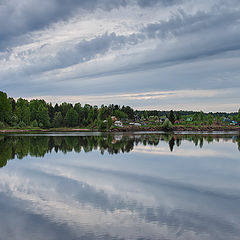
40 130
176 128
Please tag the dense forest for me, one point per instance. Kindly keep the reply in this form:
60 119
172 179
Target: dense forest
38 113
22 113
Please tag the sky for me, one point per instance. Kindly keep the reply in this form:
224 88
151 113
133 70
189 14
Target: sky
148 54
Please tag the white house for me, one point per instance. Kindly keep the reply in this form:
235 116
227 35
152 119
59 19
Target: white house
118 124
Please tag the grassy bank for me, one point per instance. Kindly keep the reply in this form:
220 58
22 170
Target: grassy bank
126 128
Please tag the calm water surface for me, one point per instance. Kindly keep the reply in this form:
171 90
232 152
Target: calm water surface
124 186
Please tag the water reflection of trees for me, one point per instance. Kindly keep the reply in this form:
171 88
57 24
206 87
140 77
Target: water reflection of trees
20 146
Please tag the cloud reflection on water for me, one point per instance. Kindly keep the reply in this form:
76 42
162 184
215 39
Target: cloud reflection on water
124 196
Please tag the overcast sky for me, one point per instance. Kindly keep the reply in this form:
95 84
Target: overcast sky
149 54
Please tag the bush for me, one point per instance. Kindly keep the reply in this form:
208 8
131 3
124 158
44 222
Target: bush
22 124
109 122
2 125
167 125
34 123
13 120
100 124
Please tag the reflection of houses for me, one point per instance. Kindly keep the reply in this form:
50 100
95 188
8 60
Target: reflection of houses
118 137
135 124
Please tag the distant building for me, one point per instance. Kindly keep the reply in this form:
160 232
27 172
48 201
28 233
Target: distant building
118 124
227 120
162 120
114 118
189 119
233 123
136 117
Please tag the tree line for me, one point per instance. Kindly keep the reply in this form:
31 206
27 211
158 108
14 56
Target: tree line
22 113
39 113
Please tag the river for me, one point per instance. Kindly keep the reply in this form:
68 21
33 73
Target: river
64 186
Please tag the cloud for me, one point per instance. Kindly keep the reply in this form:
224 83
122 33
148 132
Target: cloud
182 23
117 45
141 192
144 95
150 3
179 39
85 50
30 15
160 100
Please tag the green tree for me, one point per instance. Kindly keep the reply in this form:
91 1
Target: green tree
34 106
34 123
172 117
178 115
100 124
196 117
5 107
81 114
91 114
145 114
109 122
71 118
201 116
23 111
43 116
210 119
167 125
57 120
238 116
129 111
64 108
119 114
102 113
51 112
2 125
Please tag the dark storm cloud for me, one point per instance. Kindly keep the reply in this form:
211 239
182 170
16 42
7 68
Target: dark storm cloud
150 3
85 51
208 27
182 23
199 35
20 17
195 44
195 36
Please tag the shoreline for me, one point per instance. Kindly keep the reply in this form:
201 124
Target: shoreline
202 129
